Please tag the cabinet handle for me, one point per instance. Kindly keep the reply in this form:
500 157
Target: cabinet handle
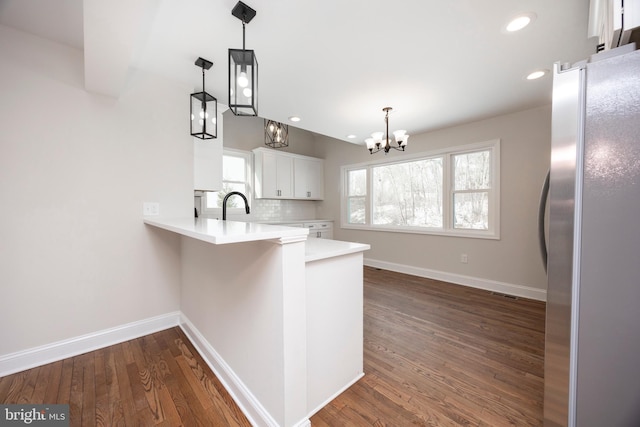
318 234
308 193
279 193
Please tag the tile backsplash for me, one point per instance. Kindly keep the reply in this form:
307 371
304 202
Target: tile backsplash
283 210
270 210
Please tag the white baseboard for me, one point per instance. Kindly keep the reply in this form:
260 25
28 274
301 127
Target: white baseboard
248 403
336 394
38 356
42 355
459 279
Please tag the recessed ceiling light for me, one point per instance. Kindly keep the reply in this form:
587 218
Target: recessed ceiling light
520 21
351 136
537 74
294 118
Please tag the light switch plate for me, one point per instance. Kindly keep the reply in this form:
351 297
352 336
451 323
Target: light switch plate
151 209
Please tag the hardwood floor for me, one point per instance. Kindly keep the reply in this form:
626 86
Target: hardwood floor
156 380
435 354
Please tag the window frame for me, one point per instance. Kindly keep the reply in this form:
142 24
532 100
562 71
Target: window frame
447 229
248 158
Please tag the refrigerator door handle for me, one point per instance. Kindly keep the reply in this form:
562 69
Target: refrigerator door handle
542 207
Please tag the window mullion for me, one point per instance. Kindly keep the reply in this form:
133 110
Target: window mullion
368 212
447 193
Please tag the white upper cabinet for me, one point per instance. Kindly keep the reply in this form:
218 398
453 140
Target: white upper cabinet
308 178
207 160
273 175
287 176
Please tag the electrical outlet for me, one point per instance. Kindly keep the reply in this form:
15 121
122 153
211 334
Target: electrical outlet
151 209
463 258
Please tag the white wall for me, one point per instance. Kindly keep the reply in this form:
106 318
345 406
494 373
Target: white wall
505 264
244 308
75 257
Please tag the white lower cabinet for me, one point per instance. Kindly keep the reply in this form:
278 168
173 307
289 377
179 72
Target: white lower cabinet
320 230
317 229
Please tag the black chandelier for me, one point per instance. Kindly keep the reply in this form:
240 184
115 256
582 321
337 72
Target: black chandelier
204 109
243 70
276 134
377 143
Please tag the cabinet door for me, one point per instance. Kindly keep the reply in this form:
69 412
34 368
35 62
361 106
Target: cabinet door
274 176
326 234
284 171
268 180
308 179
320 230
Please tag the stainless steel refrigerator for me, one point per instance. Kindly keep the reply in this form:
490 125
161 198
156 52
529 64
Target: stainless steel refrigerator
592 348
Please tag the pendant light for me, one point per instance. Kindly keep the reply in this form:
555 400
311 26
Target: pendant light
204 109
377 143
276 134
243 70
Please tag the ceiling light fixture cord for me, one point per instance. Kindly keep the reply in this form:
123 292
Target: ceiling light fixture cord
204 105
386 122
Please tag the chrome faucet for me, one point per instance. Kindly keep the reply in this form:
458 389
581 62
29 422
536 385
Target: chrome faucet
224 203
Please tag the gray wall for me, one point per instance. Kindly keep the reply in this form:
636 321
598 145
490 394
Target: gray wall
247 133
506 264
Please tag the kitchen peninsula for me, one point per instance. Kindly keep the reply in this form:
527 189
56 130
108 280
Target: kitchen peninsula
278 317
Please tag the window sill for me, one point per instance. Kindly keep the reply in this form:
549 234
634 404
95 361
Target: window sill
472 234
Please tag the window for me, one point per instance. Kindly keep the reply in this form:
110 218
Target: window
472 183
452 192
356 195
236 176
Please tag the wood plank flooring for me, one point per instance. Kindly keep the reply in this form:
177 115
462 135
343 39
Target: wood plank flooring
438 354
435 354
156 380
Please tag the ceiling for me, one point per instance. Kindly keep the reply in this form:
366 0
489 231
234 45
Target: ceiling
335 64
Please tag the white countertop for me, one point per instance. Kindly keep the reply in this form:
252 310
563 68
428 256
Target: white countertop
317 249
220 232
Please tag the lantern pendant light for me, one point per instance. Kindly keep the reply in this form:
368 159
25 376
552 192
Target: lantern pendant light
243 70
276 134
204 109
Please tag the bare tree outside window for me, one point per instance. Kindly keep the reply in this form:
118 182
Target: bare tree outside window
356 196
408 194
472 182
453 191
234 178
